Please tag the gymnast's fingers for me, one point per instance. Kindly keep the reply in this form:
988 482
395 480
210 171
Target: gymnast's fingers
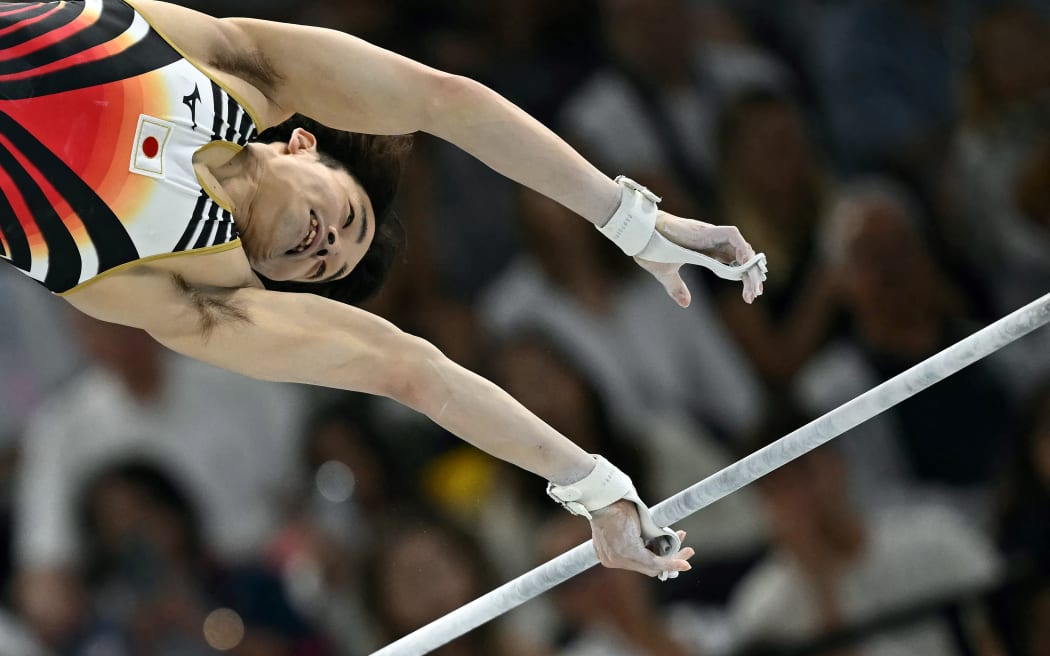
648 563
634 557
752 284
744 253
713 241
618 544
677 562
734 243
755 276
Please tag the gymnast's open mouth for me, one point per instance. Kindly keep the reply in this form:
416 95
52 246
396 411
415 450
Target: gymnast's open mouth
311 241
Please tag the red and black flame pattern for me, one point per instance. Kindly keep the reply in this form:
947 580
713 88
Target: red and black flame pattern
75 79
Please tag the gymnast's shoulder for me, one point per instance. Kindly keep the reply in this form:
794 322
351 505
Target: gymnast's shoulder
222 49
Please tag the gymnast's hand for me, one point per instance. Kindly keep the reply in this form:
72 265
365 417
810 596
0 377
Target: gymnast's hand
618 542
722 243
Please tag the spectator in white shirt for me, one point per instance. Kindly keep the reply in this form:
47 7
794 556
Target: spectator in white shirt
832 567
227 439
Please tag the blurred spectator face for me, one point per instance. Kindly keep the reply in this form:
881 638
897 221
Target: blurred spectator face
125 517
545 384
1013 55
155 587
770 154
715 23
886 269
424 574
653 36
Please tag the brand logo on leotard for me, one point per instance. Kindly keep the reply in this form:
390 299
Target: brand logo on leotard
191 102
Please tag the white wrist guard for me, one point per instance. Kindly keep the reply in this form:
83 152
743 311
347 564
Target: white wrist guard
606 485
633 228
634 222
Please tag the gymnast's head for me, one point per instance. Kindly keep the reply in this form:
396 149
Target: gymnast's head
321 219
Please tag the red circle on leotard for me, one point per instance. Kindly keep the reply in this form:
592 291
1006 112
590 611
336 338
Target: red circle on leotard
150 147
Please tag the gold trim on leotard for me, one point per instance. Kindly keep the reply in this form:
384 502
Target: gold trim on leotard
209 250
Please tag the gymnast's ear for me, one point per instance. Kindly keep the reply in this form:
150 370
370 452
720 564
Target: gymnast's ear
301 140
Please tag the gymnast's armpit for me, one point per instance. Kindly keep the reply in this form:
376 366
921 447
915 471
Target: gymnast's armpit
212 305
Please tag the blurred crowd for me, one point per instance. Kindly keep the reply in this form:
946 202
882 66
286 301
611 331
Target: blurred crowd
891 158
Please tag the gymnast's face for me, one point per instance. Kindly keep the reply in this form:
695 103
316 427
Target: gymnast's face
306 221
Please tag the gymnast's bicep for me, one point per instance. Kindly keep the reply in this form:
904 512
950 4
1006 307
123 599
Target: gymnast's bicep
285 337
337 78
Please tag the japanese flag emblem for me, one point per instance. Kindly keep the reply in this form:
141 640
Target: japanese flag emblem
151 139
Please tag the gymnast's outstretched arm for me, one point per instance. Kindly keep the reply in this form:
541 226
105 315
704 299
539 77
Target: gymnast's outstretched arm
368 89
306 339
352 85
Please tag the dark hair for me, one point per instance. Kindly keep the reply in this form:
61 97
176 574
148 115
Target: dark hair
376 162
981 104
153 483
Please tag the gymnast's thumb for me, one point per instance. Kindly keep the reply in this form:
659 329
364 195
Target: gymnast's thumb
676 289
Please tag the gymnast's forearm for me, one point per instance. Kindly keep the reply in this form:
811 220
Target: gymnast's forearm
484 415
494 130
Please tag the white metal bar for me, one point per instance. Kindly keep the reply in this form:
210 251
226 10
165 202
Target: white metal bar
876 400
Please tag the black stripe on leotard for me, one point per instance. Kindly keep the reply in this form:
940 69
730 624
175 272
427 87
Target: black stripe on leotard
149 54
111 240
218 107
195 219
64 261
15 236
24 33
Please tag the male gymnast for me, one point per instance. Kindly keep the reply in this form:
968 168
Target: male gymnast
158 171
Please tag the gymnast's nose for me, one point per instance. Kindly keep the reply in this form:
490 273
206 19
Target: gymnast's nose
333 245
